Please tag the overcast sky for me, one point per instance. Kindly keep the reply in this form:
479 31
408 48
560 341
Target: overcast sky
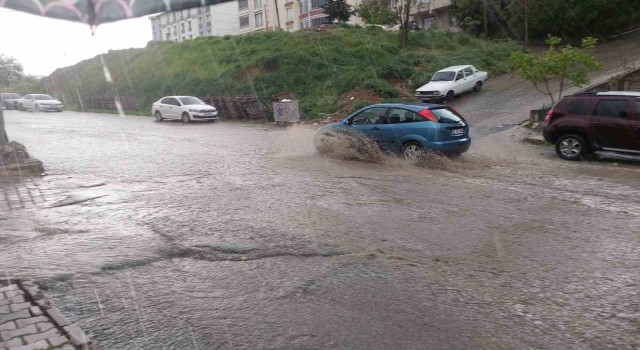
43 44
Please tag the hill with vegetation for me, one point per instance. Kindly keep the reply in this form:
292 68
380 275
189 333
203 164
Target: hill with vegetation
316 66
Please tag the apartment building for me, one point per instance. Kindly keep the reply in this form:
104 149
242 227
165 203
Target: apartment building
212 20
428 13
248 16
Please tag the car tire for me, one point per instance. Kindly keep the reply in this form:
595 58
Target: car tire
159 116
477 87
411 150
21 107
571 147
449 96
185 118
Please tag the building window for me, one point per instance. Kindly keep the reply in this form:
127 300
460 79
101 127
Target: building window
168 36
290 14
316 22
258 17
190 36
257 3
317 3
189 23
243 4
182 26
244 21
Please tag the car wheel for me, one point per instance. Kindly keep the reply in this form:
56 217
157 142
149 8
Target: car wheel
571 147
411 150
21 107
185 117
449 96
477 87
159 116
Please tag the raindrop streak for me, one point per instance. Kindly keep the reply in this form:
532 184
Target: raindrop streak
98 299
107 77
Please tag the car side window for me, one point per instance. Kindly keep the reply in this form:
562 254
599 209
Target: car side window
172 101
612 109
399 115
370 116
468 71
166 101
579 107
460 75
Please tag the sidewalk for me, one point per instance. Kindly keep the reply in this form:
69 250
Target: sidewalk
28 322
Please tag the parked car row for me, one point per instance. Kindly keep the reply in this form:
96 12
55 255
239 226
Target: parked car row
35 102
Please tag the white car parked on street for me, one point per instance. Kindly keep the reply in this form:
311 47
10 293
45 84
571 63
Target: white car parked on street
39 102
451 81
185 108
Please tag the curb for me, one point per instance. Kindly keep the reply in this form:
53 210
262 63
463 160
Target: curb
73 335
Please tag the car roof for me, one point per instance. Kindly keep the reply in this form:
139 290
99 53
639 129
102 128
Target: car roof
455 67
414 106
177 97
619 93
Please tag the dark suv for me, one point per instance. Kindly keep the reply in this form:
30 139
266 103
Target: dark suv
584 123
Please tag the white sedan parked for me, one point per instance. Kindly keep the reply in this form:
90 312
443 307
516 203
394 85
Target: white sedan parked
451 81
39 102
185 108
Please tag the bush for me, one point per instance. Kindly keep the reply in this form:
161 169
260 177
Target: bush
380 86
420 78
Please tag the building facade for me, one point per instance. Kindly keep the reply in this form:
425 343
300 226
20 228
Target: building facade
434 13
213 20
248 16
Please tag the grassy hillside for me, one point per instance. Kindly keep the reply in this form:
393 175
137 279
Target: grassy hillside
316 66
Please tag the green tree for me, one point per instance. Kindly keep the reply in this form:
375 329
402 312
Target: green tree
561 65
10 71
338 10
377 12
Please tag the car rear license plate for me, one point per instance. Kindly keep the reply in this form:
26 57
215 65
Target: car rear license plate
456 132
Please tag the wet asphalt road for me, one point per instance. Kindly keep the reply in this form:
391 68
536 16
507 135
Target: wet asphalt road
235 236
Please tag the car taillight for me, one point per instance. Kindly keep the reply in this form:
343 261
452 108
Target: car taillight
547 119
426 114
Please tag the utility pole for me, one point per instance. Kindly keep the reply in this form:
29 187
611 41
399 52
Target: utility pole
486 31
3 134
526 24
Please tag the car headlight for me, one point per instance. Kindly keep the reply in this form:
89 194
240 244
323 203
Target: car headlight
437 92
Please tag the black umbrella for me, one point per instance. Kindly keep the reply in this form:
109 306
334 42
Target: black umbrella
95 12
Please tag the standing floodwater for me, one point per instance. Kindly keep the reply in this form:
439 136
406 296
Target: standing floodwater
233 236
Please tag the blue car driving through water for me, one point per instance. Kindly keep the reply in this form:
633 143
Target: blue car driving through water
407 128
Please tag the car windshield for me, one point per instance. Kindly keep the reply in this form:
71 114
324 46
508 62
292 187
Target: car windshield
189 100
43 97
444 76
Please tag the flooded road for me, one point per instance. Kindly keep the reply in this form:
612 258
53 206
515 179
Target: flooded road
236 236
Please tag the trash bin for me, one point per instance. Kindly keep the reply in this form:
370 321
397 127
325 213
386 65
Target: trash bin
286 111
